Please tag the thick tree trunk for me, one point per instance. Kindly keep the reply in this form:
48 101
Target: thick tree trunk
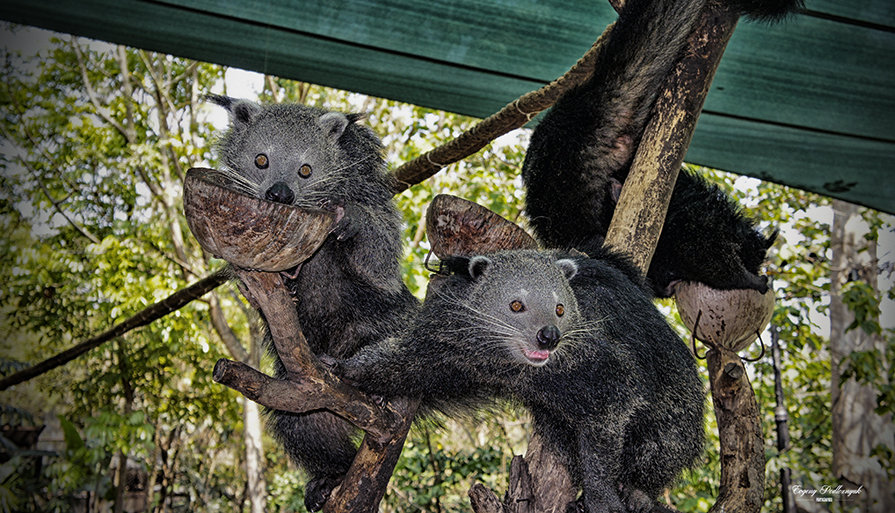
857 429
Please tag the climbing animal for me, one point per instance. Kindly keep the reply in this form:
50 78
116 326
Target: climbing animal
578 343
581 151
350 293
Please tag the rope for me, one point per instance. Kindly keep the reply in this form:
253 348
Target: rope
515 114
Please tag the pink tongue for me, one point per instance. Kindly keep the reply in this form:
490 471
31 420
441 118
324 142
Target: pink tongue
537 355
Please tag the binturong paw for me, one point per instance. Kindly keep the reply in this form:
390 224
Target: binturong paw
329 362
318 490
347 225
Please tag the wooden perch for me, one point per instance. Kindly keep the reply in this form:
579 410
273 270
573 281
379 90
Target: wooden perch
640 212
739 428
637 224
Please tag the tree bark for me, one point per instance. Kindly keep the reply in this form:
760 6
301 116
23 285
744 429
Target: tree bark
636 227
739 429
857 429
257 487
640 212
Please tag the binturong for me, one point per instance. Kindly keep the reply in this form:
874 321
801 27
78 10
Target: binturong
581 151
576 341
350 293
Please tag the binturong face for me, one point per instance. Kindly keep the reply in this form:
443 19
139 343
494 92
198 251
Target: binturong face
523 303
284 153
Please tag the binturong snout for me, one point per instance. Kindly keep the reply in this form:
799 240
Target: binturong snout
548 337
280 192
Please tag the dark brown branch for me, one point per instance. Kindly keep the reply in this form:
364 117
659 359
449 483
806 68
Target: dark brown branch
309 386
636 227
739 430
142 318
302 393
367 479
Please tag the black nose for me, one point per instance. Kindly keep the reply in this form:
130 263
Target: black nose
548 337
280 192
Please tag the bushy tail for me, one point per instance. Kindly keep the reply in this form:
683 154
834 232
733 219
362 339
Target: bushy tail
644 44
766 10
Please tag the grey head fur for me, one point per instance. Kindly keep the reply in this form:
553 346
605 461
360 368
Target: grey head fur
301 155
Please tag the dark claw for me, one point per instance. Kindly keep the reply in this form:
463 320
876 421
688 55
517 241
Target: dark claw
318 490
328 361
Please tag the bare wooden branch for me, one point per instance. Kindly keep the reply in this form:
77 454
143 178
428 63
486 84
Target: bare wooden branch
552 486
739 428
483 499
143 317
367 479
637 224
303 393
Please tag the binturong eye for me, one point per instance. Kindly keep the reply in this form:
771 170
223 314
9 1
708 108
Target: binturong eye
261 161
304 171
517 306
560 310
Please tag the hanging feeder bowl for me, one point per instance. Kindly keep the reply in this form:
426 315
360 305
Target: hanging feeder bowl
732 319
457 227
250 232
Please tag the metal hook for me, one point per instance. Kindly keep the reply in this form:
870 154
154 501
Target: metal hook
759 357
432 269
693 337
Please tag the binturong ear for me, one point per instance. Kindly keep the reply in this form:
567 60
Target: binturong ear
333 125
478 265
568 267
241 111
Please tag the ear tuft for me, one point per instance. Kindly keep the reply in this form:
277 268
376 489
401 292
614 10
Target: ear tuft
478 265
333 124
243 112
568 267
223 101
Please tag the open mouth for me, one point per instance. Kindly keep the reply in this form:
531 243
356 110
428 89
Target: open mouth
536 357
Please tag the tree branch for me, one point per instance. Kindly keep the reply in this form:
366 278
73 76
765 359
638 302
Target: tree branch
101 110
640 213
141 318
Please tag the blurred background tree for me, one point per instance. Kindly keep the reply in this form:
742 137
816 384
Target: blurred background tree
96 141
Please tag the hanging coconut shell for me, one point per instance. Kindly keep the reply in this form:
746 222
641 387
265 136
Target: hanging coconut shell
250 232
728 318
457 227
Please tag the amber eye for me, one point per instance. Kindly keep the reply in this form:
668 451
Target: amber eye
261 161
304 171
560 310
517 306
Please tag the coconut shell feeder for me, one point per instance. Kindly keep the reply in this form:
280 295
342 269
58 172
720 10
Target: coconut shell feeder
731 319
458 227
250 232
